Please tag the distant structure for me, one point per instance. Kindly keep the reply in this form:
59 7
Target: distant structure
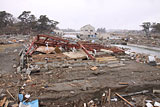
88 31
58 32
72 33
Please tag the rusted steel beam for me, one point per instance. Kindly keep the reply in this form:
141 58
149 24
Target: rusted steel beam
85 50
97 47
116 50
35 47
45 39
54 38
31 45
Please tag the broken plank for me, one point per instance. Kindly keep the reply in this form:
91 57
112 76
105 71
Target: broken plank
6 104
2 102
11 95
124 100
123 83
93 68
109 96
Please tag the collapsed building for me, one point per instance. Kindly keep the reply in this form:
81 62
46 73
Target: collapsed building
56 50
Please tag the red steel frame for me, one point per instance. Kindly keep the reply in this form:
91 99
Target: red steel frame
41 40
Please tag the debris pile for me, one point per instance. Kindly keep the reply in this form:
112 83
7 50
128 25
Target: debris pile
143 58
10 39
54 72
136 99
61 52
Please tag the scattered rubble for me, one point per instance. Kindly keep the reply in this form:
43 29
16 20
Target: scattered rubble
54 71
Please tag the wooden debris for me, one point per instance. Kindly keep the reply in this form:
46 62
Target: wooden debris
109 96
15 105
57 50
29 77
45 49
6 104
124 99
94 68
76 55
11 95
144 103
109 58
104 97
123 83
106 51
2 102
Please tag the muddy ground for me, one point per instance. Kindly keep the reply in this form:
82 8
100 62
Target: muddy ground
72 87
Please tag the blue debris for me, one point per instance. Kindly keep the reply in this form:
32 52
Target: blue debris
33 103
20 96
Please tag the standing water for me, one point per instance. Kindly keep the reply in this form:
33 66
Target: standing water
142 49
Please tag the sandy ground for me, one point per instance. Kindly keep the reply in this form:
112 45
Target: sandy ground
72 87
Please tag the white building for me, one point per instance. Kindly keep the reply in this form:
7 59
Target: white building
88 30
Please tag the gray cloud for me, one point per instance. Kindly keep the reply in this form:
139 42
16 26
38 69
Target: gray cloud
112 14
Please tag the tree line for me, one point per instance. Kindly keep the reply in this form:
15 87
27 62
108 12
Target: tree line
101 30
25 23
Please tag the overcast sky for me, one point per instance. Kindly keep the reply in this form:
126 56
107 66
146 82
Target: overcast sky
111 14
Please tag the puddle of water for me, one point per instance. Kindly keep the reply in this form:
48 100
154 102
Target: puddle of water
142 49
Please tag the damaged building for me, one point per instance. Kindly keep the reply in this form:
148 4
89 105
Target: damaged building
88 31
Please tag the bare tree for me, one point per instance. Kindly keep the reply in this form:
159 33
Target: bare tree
146 28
